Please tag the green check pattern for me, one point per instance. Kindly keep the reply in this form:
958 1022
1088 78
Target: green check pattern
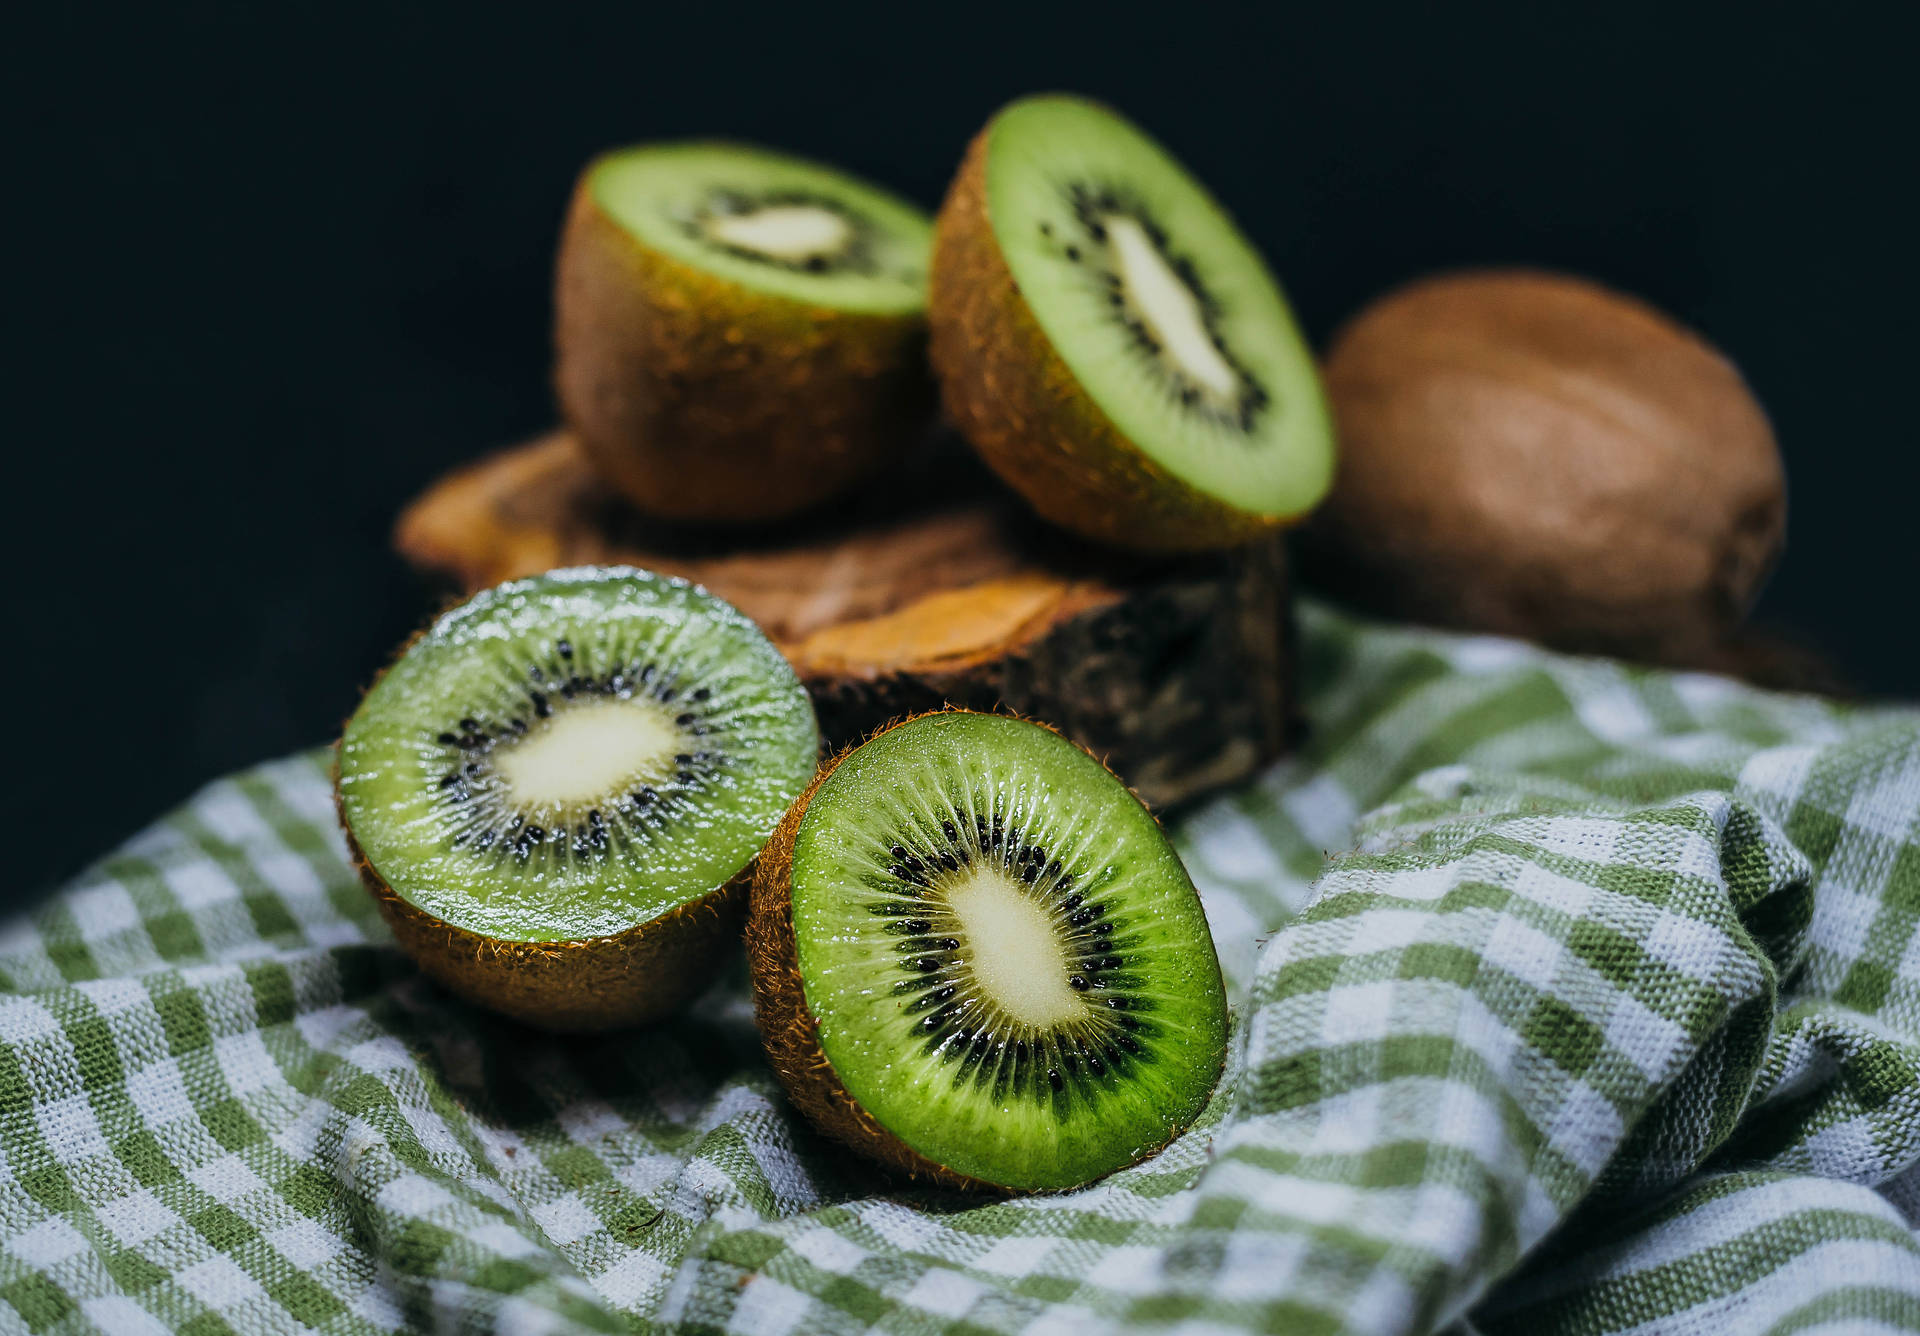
1569 997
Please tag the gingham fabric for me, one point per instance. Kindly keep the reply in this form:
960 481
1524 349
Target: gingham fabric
1569 998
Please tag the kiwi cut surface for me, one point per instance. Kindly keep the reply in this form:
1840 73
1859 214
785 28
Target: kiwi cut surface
1112 344
739 334
564 776
978 959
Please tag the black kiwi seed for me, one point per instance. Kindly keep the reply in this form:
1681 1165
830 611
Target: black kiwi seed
947 828
565 649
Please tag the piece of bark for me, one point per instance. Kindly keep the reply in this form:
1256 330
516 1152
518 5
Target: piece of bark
931 587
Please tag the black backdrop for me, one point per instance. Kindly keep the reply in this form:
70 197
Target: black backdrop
279 269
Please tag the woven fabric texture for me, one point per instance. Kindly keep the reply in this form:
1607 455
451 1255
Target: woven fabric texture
1568 997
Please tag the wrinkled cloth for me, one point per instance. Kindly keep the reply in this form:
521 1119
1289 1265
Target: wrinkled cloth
1568 998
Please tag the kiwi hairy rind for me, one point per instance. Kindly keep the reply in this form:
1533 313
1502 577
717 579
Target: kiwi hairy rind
792 1032
1531 453
705 400
1012 395
582 986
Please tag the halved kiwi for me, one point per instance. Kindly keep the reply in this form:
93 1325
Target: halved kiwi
1113 346
555 788
739 334
977 959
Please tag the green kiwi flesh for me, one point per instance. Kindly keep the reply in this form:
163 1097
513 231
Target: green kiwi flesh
771 222
572 757
1008 967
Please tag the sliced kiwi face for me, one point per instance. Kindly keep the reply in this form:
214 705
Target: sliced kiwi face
772 222
1009 968
570 756
1162 350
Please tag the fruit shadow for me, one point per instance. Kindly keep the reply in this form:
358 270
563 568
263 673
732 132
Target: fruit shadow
695 1086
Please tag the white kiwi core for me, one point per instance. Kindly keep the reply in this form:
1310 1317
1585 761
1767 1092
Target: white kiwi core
784 231
1013 950
589 750
1167 307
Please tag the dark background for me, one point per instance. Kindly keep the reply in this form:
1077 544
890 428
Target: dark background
278 271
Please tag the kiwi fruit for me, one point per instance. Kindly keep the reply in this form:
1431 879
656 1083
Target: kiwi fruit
1533 454
739 334
978 960
1112 345
555 789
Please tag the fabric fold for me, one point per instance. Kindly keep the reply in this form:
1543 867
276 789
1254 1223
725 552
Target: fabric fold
1569 997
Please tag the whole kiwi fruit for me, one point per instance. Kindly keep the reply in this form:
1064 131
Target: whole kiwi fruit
1532 454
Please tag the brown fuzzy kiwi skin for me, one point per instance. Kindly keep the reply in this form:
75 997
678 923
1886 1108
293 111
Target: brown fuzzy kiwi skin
705 401
582 986
1532 454
1026 413
791 1032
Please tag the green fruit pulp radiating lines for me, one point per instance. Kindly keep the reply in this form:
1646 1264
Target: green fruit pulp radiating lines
1160 308
959 836
843 244
446 791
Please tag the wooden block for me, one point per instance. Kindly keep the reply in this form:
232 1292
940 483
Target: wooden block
931 586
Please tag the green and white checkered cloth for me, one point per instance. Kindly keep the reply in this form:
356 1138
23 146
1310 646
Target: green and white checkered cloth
1570 998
